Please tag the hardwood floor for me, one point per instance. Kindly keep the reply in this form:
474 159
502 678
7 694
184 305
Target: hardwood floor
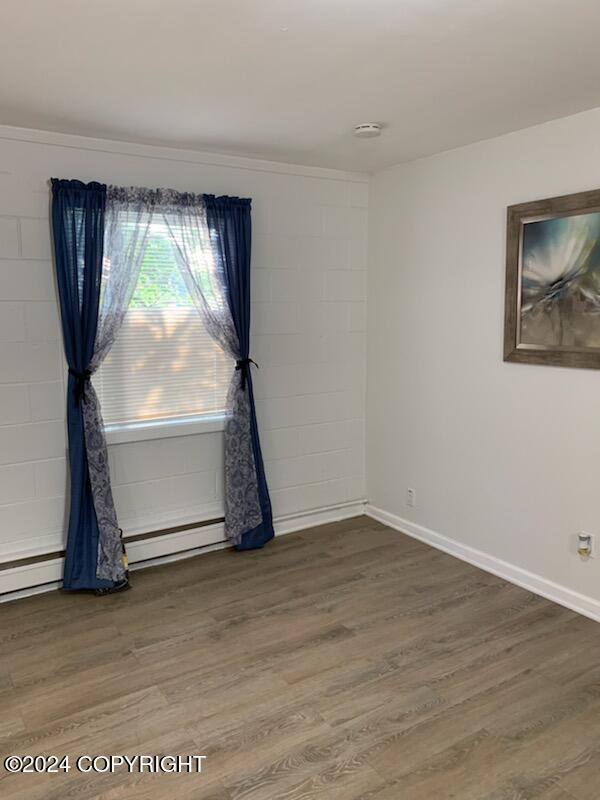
347 662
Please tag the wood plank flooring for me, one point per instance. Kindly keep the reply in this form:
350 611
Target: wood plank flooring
347 662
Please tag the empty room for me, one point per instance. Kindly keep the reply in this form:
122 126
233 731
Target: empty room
299 400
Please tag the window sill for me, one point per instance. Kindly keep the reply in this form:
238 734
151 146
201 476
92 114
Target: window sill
164 429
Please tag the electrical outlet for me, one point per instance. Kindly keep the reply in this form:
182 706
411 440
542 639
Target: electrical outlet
411 498
586 545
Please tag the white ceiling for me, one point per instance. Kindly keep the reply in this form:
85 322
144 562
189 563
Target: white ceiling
288 79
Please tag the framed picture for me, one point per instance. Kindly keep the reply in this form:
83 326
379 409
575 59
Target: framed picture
552 305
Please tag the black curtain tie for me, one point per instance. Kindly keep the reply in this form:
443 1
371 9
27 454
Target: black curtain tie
82 379
243 364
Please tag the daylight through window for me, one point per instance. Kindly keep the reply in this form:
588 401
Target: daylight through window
164 365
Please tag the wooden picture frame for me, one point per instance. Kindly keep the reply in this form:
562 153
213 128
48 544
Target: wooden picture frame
551 313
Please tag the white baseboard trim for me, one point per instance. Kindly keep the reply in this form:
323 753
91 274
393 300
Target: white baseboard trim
319 516
44 576
582 604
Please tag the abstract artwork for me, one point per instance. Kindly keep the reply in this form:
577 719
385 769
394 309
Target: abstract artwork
552 313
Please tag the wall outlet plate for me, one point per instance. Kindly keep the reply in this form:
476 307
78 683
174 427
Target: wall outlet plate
586 545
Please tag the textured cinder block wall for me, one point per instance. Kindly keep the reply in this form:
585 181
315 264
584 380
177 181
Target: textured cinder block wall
309 294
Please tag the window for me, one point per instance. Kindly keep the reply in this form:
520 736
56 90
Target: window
163 366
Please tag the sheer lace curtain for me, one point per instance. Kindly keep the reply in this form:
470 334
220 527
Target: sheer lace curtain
205 278
126 228
129 215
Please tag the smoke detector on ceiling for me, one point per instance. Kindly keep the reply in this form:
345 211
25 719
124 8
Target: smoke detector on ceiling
367 130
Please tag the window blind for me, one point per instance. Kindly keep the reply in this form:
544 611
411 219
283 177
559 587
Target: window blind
163 364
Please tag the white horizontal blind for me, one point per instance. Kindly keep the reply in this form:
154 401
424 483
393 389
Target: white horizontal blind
164 364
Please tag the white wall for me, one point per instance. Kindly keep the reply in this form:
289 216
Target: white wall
309 269
504 458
